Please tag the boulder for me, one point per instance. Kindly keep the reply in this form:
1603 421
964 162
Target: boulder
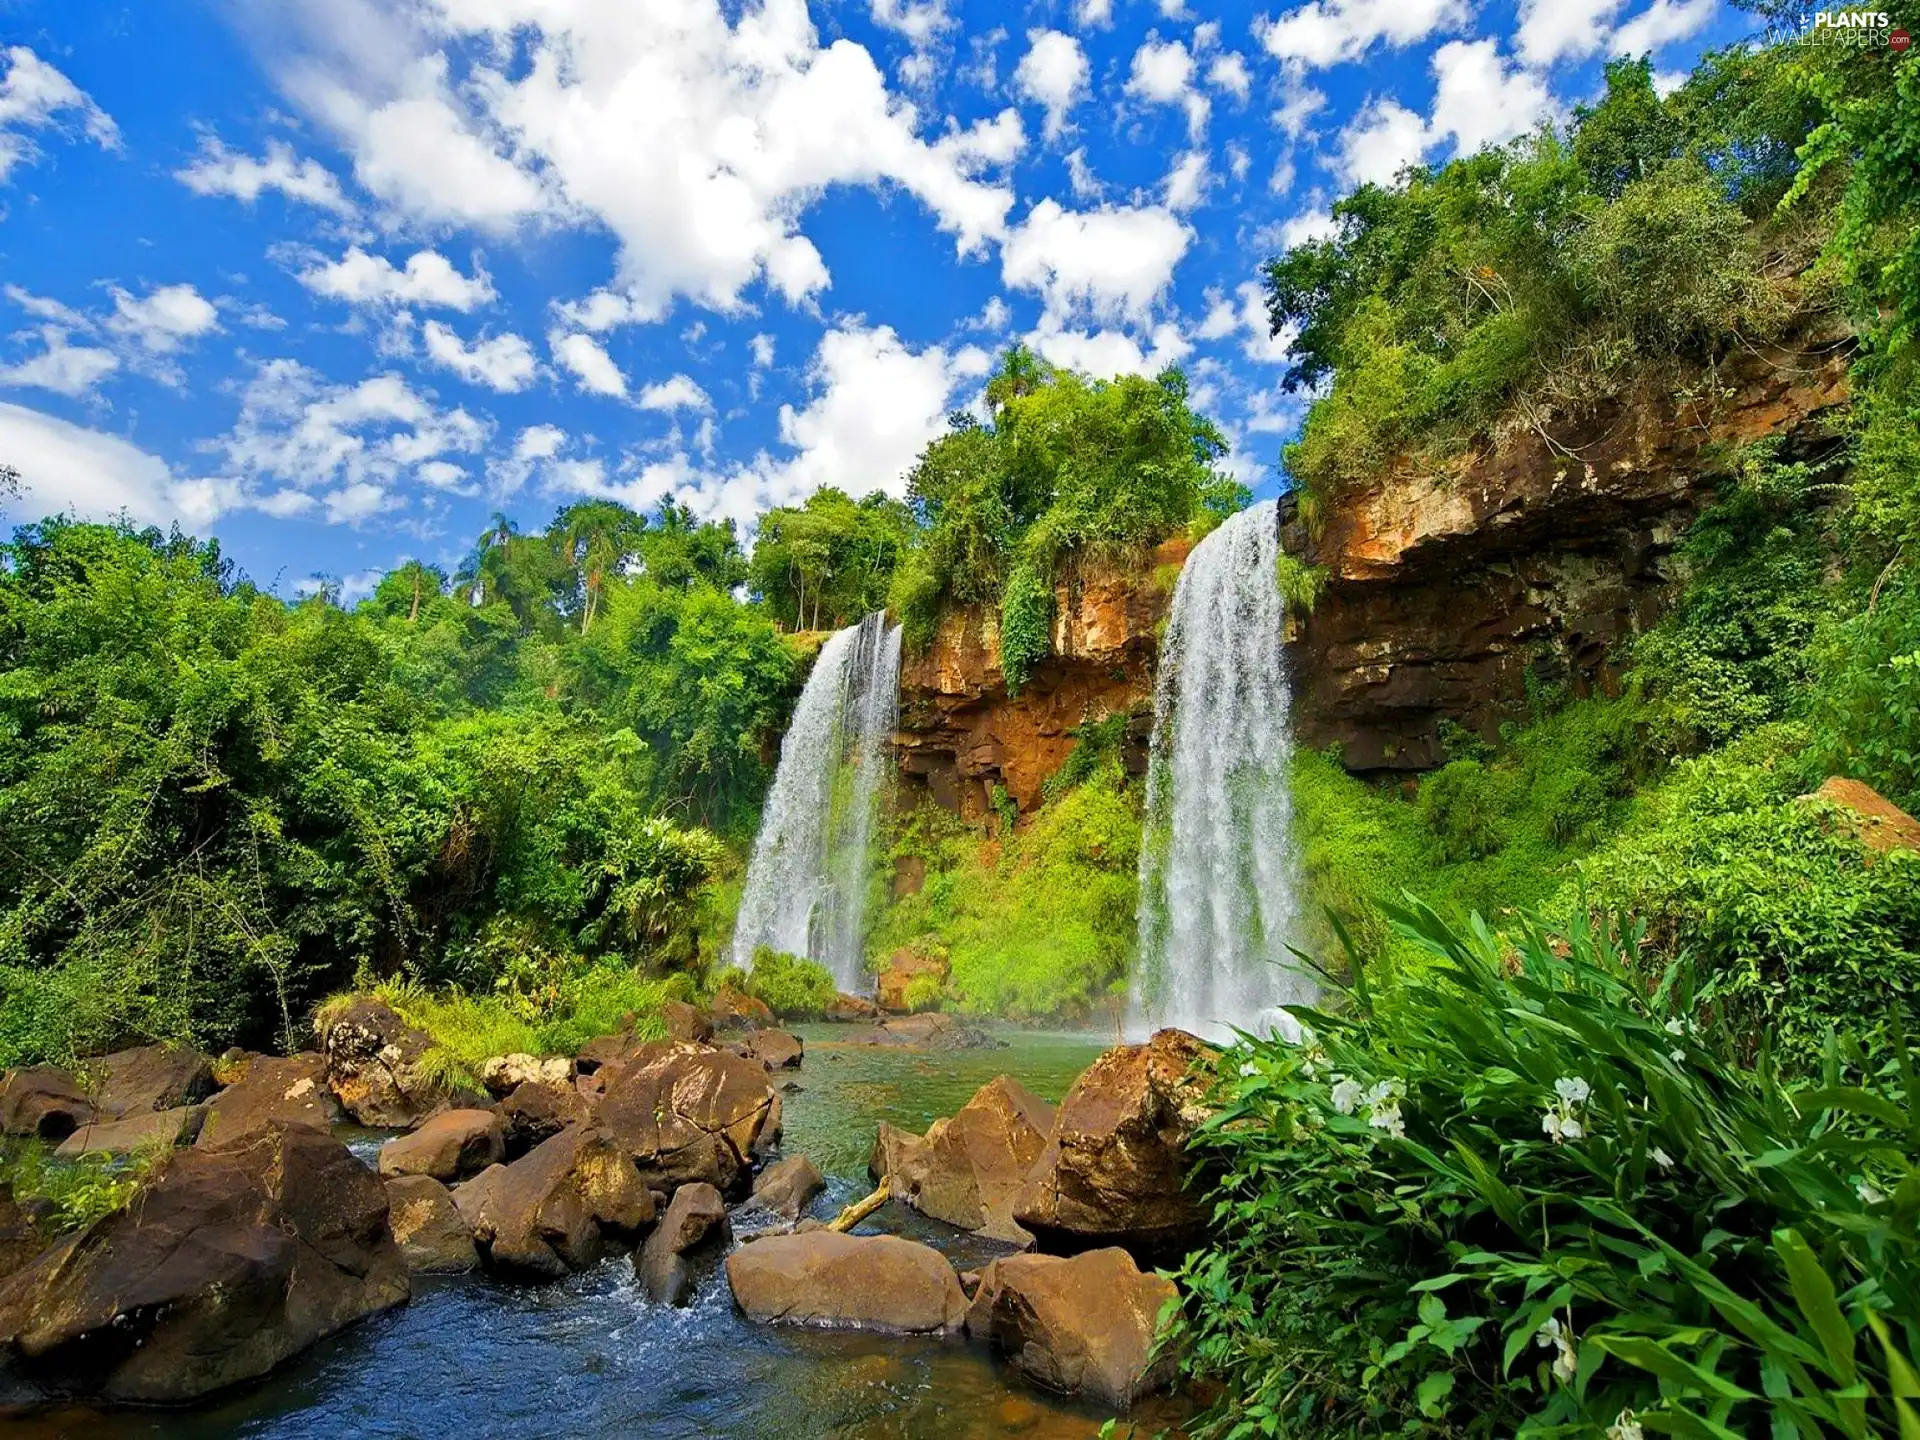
537 1111
1114 1168
968 1169
20 1237
788 1186
905 966
560 1207
733 1008
776 1049
152 1077
142 1130
231 1259
428 1227
696 1216
375 1066
866 1282
1867 815
44 1102
930 1031
687 1022
844 1007
451 1146
290 1090
685 1113
1083 1326
504 1074
619 1048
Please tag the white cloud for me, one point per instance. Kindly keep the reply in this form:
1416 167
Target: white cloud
1053 74
1244 314
677 392
1086 185
1380 140
1229 72
1109 352
1306 227
1328 32
592 368
428 279
66 468
220 171
1187 183
1111 264
1239 162
504 363
1298 104
1093 14
1162 74
71 370
920 23
1480 100
697 133
1660 24
1555 30
164 318
33 96
761 347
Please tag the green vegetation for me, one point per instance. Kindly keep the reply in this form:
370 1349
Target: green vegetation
81 1190
824 564
791 987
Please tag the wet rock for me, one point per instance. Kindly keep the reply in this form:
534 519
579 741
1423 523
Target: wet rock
451 1146
559 1208
904 967
788 1186
152 1077
844 1007
232 1259
931 1031
143 1130
690 1114
733 1008
687 1022
967 1170
696 1217
620 1048
504 1074
776 1049
375 1069
291 1090
1868 816
428 1227
1114 1168
1083 1326
44 1102
867 1282
537 1111
20 1237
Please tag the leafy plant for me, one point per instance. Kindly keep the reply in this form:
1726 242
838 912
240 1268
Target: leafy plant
792 987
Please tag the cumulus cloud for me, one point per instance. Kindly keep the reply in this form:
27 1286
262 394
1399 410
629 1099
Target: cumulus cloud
1188 181
1381 139
1229 72
1109 352
1555 30
1093 14
1660 24
677 392
1328 32
504 363
1110 264
428 278
1480 100
1162 74
220 171
592 368
65 369
1244 314
36 96
69 469
1053 74
163 319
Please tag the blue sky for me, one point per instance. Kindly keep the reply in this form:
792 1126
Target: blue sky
335 279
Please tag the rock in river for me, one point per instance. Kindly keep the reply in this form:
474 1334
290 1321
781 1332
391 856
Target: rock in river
695 1217
451 1146
152 1077
558 1208
687 1113
968 1169
374 1066
42 1101
291 1090
867 1282
428 1228
788 1186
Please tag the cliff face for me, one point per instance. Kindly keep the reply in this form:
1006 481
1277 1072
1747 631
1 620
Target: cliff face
1445 591
961 733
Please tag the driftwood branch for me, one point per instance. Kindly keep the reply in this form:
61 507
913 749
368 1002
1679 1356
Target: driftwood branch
860 1209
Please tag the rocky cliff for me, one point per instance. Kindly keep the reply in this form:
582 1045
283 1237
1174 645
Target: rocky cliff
1449 591
961 734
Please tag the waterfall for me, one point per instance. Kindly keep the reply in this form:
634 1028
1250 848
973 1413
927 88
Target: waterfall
807 882
1218 874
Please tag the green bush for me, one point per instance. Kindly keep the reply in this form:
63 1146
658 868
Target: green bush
1538 1195
792 987
1466 808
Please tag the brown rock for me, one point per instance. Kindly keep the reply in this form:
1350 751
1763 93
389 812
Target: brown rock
696 1216
232 1259
141 1130
152 1077
687 1114
1083 1326
559 1208
867 1282
617 1049
504 1074
776 1049
537 1110
1867 815
930 1031
428 1227
451 1146
905 966
844 1007
374 1066
20 1237
968 1169
788 1186
42 1101
687 1022
733 1008
291 1089
1114 1168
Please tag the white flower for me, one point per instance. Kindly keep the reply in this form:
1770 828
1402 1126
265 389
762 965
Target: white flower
1560 1122
1677 1056
1249 1069
1675 1026
1661 1158
1572 1090
1565 1365
1625 1428
1869 1192
1387 1117
1346 1095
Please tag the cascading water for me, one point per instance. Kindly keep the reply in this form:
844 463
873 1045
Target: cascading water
1217 866
807 883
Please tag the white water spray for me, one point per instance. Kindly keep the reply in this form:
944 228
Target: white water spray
1218 874
807 883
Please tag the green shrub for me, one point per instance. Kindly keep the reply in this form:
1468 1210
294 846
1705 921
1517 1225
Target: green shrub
1300 583
792 987
82 1190
1464 805
1538 1196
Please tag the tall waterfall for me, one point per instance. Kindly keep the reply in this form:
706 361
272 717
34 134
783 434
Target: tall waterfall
807 883
1217 866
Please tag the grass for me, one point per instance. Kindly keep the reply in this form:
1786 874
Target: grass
81 1190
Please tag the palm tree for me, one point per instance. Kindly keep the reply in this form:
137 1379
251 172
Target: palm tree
597 538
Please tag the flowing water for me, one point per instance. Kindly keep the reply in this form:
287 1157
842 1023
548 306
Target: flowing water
591 1357
1218 876
807 882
